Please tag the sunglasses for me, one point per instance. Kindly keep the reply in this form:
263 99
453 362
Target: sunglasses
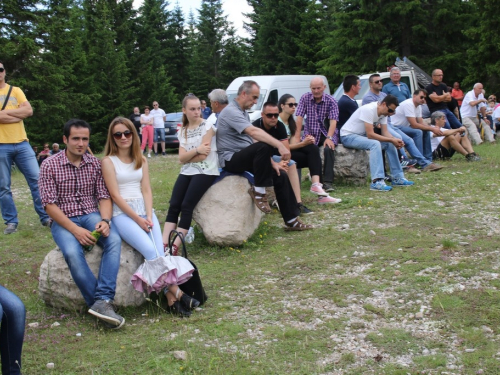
271 115
2 70
377 81
126 133
390 110
422 97
291 105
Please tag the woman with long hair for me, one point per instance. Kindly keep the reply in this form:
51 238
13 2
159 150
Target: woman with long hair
126 173
147 131
197 153
305 153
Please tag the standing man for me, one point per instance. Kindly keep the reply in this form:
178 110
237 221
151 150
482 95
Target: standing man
238 152
135 117
15 148
75 197
358 133
347 103
397 88
205 111
473 103
159 118
438 98
322 114
218 101
457 93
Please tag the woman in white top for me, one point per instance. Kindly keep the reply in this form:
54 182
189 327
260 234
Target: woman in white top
126 174
147 130
198 154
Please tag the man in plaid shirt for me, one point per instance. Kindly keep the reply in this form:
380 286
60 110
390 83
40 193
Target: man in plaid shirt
319 108
75 197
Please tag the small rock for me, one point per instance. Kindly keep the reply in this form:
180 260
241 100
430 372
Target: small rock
397 273
486 329
33 325
268 273
480 371
463 243
55 324
50 365
78 334
470 350
345 226
419 315
425 352
28 272
372 232
196 331
180 354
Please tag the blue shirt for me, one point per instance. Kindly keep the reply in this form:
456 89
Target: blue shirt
206 112
402 92
370 97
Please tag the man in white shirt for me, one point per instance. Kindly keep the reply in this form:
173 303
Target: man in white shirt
474 102
159 118
408 120
359 133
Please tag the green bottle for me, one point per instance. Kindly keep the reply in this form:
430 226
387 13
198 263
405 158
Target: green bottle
96 235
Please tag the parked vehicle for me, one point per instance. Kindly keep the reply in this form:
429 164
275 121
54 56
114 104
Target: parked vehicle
273 87
172 124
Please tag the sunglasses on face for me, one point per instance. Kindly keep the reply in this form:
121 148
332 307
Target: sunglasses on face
377 81
126 133
390 110
291 105
422 97
2 70
271 115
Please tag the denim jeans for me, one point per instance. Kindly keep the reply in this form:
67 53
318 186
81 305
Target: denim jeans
421 138
135 236
23 155
410 146
13 316
451 120
360 142
91 288
159 135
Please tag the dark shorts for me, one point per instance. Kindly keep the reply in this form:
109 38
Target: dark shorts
442 152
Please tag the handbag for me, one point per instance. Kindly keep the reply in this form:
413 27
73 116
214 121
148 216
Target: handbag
193 287
7 98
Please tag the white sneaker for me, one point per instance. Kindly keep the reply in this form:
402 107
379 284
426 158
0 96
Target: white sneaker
149 155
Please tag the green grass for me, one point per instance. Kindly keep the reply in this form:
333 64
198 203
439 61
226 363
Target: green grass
286 303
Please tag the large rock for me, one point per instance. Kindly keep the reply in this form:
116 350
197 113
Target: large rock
226 213
57 288
351 166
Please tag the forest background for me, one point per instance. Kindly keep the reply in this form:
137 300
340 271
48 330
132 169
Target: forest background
97 59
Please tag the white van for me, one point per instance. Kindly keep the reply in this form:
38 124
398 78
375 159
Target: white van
273 87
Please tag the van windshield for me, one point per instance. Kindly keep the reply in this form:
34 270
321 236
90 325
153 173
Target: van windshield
364 89
255 107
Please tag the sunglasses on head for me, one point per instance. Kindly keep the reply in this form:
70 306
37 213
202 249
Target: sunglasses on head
2 70
271 115
291 104
126 133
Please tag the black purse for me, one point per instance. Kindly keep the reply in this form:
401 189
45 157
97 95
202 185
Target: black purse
193 287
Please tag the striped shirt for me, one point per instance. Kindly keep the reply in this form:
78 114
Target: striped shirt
317 113
75 190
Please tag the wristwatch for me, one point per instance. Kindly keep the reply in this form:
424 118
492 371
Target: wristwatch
107 221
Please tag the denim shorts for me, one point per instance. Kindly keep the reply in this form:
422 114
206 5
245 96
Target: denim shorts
277 159
159 133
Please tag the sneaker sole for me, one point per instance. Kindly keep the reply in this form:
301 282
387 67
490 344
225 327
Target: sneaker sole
307 213
107 319
337 201
325 194
400 185
382 190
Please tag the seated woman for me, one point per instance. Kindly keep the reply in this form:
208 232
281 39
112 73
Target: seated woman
197 153
453 140
12 321
305 153
126 174
44 154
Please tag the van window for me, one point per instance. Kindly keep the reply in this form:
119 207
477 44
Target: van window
365 86
273 96
256 107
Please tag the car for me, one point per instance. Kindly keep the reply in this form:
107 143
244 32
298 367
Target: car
172 125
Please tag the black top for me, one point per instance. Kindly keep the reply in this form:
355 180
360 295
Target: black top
347 107
278 131
136 120
440 90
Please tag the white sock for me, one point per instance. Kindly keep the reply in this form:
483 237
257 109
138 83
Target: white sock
291 221
260 190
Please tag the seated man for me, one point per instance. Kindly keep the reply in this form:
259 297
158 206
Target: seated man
358 132
75 197
270 124
452 140
238 153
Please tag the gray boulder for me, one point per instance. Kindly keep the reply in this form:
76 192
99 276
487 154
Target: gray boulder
351 166
57 288
226 213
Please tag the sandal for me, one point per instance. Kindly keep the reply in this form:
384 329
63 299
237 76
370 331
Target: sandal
298 225
260 200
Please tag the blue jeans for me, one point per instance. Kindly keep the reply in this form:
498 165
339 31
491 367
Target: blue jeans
135 236
91 288
23 155
422 139
410 146
376 161
159 133
13 317
451 120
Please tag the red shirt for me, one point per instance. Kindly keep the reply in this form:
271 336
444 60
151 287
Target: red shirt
457 94
75 190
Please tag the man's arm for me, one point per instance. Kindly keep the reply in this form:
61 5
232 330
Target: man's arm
261 136
385 137
418 123
331 130
24 111
446 97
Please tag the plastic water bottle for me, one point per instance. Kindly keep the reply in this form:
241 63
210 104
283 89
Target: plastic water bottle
190 235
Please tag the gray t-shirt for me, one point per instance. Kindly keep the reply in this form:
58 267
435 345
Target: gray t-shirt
230 137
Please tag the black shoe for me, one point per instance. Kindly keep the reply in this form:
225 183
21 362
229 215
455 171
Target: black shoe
178 309
189 302
304 210
328 187
163 153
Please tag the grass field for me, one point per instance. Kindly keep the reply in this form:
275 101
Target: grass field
405 282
